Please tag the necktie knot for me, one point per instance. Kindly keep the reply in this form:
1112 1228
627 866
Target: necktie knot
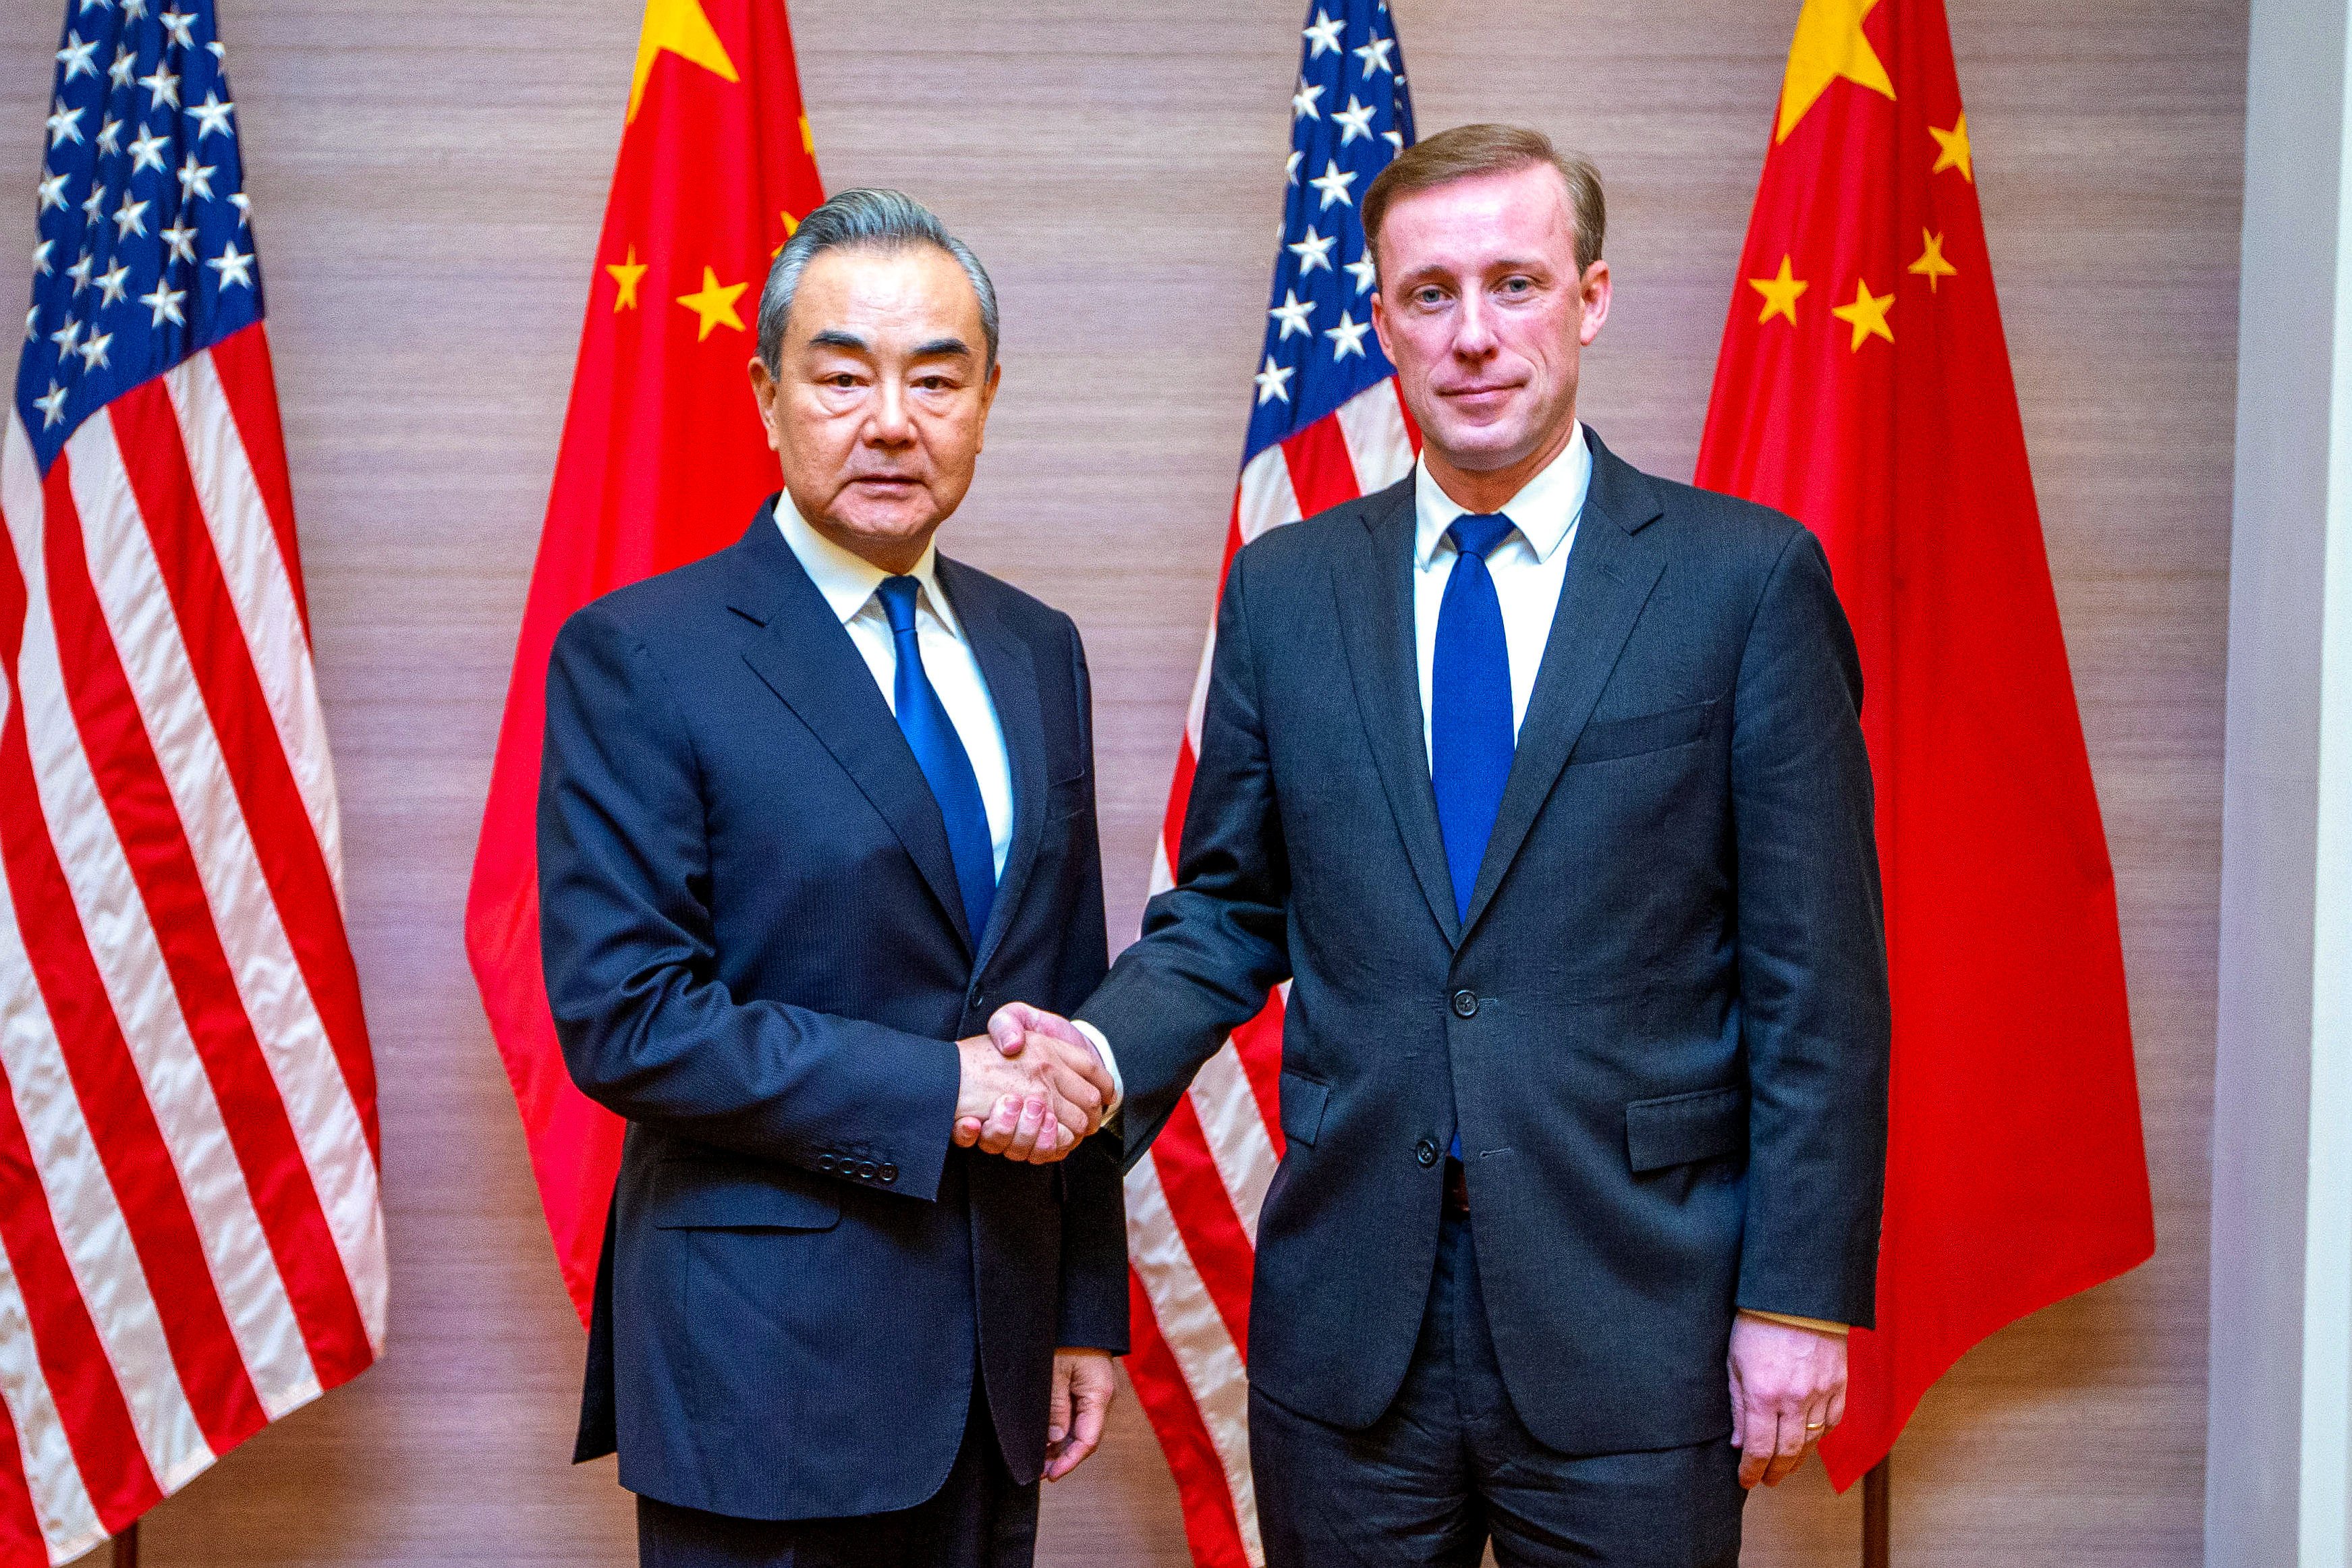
1477 533
898 596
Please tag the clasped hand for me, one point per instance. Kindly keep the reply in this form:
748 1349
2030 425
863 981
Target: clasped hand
1031 1087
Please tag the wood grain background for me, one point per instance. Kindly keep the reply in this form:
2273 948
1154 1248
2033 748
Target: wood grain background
428 178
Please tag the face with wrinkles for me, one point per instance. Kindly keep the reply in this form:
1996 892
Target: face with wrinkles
881 397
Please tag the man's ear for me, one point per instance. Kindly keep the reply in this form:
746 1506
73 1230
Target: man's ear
1380 322
1595 287
764 391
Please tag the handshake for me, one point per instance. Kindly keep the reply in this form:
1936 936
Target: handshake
1031 1087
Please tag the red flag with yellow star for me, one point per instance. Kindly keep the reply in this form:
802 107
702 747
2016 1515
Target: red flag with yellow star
1864 387
662 462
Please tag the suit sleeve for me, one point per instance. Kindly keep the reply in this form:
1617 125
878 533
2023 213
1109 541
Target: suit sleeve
627 937
1813 956
1215 943
1094 1216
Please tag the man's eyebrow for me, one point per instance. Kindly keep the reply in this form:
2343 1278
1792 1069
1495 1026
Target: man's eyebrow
835 338
942 347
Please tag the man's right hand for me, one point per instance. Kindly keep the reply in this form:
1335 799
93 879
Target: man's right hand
1051 1092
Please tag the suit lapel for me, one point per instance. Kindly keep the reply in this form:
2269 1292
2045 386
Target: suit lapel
1610 571
1006 664
806 659
1373 588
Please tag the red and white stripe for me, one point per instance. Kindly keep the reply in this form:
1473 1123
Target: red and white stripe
1192 1200
191 1225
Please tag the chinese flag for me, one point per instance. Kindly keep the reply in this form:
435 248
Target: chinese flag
662 462
1864 388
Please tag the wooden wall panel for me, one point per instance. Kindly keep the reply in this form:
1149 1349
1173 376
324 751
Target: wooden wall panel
429 176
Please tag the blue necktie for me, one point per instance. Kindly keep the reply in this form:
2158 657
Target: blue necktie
1471 740
940 753
1470 736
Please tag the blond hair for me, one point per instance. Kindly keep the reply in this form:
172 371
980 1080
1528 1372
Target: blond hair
1470 151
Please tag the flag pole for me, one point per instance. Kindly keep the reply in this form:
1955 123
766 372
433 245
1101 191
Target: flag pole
1874 1506
126 1546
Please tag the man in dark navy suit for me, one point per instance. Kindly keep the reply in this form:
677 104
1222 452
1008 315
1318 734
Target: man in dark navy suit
812 807
1542 781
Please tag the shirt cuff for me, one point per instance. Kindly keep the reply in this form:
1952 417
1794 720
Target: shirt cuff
1111 1063
1819 1325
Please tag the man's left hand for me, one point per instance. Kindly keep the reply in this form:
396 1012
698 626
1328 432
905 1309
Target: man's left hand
1788 1389
1082 1385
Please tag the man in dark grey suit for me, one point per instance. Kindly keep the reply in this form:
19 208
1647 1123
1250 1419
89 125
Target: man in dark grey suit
1542 781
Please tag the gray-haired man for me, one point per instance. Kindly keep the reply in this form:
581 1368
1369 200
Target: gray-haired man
811 807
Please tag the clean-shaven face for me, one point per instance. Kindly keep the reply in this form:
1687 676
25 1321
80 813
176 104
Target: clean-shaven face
1483 311
880 398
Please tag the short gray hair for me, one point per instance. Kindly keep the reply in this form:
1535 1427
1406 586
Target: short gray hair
885 220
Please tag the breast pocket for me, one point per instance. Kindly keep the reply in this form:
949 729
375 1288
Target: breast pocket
1618 738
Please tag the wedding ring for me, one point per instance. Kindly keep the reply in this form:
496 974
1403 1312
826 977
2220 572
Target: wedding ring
1816 1426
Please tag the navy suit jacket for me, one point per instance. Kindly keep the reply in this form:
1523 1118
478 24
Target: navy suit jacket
756 952
1662 1029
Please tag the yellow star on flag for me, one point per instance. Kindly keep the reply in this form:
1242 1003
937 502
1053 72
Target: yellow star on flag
626 273
1829 46
1931 263
1867 314
678 27
1952 150
791 223
1779 294
715 303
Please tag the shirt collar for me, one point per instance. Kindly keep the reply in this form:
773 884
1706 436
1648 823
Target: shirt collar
847 580
1545 509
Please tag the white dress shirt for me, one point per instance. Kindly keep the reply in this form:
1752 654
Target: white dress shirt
848 582
1528 567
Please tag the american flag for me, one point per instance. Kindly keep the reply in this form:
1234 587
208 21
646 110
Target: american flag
191 1235
1326 426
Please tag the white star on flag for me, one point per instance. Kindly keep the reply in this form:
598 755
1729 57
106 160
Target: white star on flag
182 238
1395 139
65 337
125 62
1290 164
1363 269
75 55
1347 337
1313 251
1354 120
65 125
147 152
1302 102
133 9
244 205
1333 181
110 137
113 286
196 179
1293 314
79 271
1375 56
41 257
53 191
177 24
52 407
1322 35
96 200
233 268
93 353
163 85
165 300
1273 381
129 217
212 115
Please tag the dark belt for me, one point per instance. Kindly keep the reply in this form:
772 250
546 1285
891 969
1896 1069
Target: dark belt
1457 1187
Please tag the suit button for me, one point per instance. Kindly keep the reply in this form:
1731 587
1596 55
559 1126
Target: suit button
865 1170
889 1173
1466 1003
978 999
824 1163
1426 1153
